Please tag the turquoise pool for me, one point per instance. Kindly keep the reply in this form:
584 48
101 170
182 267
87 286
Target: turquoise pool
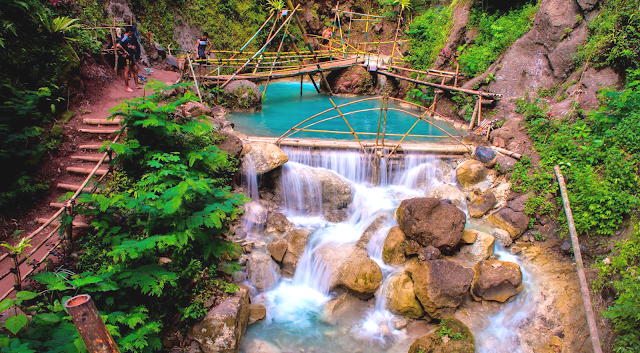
284 107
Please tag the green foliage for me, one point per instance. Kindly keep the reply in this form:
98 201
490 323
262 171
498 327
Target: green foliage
496 32
159 247
238 20
620 273
22 115
453 333
598 155
429 33
614 36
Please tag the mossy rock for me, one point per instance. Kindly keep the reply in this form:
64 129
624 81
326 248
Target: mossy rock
450 336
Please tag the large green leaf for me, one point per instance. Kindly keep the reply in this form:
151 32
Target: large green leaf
15 323
6 304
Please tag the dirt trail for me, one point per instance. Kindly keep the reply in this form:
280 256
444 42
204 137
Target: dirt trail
102 96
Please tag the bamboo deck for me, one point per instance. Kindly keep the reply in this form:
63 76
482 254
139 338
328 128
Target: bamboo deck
302 70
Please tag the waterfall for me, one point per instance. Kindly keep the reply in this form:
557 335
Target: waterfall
295 306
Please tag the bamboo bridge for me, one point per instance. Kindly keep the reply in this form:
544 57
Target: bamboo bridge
322 55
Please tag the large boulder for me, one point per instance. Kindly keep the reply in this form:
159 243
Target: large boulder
340 307
316 190
429 221
482 204
451 336
351 268
485 155
262 271
482 248
297 240
471 172
505 164
337 192
394 247
277 248
512 217
278 224
353 80
243 95
263 157
448 192
440 285
496 280
231 144
222 329
371 230
195 109
401 298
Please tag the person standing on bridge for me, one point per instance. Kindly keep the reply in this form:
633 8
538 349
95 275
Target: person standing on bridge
128 44
202 48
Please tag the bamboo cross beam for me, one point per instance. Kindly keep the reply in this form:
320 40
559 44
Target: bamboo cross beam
347 122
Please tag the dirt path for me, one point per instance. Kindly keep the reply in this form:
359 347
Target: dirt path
68 166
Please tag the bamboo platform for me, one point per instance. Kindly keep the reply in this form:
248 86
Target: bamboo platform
447 148
279 74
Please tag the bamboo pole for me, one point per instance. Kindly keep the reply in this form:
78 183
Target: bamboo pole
405 135
347 122
473 116
479 110
115 50
507 152
274 63
379 123
89 324
584 285
444 87
195 79
455 79
275 22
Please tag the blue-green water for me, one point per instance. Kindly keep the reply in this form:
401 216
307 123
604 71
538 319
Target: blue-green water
284 107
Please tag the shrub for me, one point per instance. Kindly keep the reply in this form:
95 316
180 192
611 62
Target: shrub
496 32
429 33
614 36
159 248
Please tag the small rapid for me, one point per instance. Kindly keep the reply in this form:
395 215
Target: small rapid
297 318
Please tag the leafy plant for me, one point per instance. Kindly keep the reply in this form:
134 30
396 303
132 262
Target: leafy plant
173 203
496 32
429 33
619 272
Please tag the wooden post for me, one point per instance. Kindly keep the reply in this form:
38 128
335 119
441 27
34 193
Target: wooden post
115 50
584 286
301 80
455 79
15 270
89 324
473 116
195 79
479 110
68 229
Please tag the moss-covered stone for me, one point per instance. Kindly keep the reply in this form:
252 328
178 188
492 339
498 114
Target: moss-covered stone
449 337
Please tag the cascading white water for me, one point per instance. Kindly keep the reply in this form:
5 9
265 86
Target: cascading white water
295 305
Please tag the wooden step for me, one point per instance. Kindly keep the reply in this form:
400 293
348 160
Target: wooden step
92 146
77 223
89 157
71 187
90 121
100 130
83 170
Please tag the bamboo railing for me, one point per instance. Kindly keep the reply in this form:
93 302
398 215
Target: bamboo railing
64 228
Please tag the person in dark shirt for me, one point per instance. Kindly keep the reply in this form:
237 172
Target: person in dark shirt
203 46
128 45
